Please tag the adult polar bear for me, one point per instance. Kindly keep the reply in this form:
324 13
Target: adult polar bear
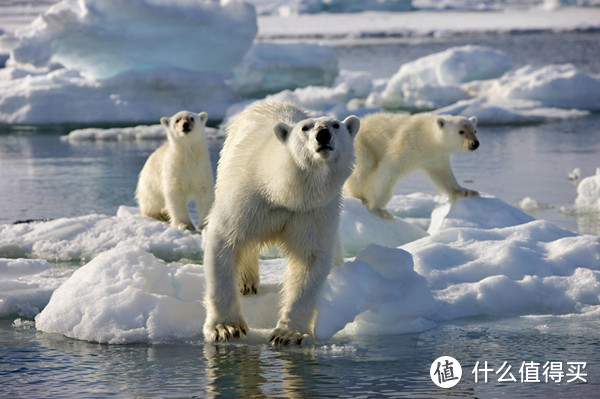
390 146
279 179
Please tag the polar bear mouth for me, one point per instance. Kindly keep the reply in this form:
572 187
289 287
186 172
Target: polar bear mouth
325 147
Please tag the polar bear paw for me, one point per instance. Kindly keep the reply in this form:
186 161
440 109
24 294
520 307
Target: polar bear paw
284 336
222 332
249 288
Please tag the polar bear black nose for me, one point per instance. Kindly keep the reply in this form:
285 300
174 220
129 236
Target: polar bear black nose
323 136
186 126
474 145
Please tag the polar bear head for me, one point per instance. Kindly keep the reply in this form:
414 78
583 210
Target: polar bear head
184 124
317 142
459 132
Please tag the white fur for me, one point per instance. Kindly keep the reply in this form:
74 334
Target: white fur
178 172
274 186
390 146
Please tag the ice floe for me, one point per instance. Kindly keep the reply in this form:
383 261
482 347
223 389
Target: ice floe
480 257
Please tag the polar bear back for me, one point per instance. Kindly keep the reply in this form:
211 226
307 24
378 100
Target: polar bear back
406 139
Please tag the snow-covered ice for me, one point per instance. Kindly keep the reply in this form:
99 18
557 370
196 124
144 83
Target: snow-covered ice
465 80
26 285
119 66
480 257
103 39
84 237
140 132
143 280
434 81
127 76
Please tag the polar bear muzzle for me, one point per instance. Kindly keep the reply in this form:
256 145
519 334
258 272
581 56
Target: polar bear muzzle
323 137
473 145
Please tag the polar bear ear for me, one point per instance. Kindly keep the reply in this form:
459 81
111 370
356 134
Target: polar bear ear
473 120
282 131
203 116
352 124
441 122
165 121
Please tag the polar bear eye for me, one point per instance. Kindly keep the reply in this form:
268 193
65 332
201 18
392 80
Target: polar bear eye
461 132
336 125
305 128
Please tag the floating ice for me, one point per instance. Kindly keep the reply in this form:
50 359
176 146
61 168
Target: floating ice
288 8
470 265
125 61
272 67
83 237
370 296
127 295
557 86
469 213
131 96
588 194
141 132
27 284
434 81
103 39
499 111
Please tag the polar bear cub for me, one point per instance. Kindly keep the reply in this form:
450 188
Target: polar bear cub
390 146
279 180
178 172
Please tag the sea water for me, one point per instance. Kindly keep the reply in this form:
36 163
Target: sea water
44 177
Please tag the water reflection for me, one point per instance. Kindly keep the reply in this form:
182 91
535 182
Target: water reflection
257 372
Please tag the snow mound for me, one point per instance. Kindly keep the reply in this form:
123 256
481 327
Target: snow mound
499 111
103 39
557 86
272 67
82 238
370 296
127 295
588 194
360 227
434 81
124 61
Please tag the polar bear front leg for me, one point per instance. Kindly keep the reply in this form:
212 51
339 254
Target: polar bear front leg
176 205
302 284
224 318
441 175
